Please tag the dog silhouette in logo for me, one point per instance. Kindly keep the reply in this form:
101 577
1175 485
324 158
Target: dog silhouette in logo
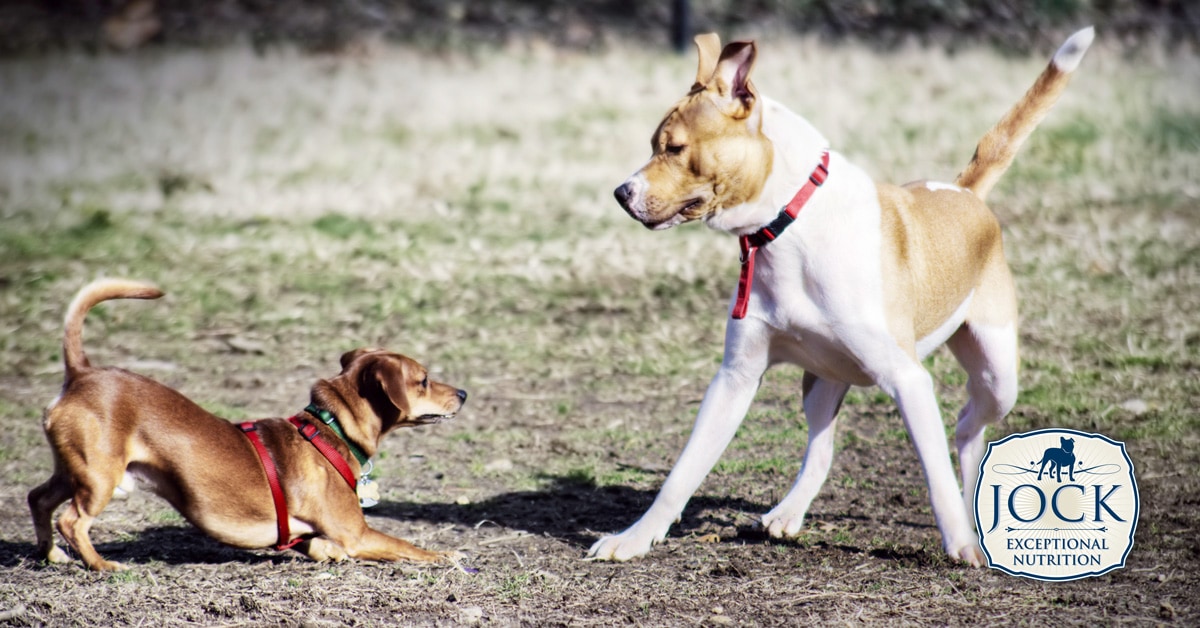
1060 458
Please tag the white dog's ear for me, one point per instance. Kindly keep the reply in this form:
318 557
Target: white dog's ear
708 46
732 77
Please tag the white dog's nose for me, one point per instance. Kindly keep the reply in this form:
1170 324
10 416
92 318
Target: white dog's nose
624 193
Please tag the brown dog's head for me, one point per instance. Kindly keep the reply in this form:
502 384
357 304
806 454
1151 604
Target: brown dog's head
398 389
709 153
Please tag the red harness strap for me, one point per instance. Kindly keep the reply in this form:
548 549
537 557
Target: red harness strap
281 513
312 435
752 242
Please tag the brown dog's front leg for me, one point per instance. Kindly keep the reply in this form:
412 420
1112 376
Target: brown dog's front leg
374 545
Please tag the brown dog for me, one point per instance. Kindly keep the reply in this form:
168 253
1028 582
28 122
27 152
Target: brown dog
108 422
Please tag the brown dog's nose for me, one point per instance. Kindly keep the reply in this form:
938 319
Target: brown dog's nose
623 194
462 395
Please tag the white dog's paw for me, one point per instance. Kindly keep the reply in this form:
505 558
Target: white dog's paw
781 524
624 546
968 552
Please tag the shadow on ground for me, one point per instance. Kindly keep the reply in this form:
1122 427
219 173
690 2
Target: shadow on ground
578 512
569 509
174 545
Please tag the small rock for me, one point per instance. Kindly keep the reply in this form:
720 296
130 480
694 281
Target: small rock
548 576
240 344
471 614
12 614
1135 406
499 465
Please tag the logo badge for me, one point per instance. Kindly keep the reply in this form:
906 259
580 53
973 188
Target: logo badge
1056 505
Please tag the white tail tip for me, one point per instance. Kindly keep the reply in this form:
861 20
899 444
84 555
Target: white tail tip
1071 52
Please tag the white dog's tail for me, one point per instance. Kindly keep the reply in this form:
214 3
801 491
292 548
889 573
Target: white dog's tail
999 146
87 298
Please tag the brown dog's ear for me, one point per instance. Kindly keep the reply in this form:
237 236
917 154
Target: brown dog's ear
349 357
385 375
708 46
732 76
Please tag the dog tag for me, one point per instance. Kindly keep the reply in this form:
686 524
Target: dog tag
368 492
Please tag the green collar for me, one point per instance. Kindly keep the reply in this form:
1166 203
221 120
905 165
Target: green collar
328 418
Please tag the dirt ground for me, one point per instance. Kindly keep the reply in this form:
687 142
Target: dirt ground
871 554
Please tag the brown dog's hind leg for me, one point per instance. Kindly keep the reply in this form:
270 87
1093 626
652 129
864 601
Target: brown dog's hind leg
91 496
43 500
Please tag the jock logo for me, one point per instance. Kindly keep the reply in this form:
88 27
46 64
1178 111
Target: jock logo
1056 504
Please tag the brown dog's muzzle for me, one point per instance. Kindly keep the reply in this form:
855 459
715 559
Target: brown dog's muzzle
431 418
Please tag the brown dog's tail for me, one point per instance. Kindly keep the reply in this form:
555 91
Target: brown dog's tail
88 297
999 146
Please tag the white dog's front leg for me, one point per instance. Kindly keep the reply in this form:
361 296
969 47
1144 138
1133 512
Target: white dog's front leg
724 406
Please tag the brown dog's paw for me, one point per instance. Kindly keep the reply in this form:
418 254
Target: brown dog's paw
458 559
451 557
108 565
418 555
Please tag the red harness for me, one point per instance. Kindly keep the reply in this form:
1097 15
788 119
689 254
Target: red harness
752 242
312 435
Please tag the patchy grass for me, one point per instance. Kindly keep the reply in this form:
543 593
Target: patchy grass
458 209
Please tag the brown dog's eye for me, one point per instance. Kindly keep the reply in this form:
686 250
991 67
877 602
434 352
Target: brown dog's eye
425 382
675 149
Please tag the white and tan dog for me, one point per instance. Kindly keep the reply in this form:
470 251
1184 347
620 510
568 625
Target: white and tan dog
868 280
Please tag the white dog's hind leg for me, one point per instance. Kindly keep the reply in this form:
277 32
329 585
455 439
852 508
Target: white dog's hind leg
822 398
724 406
989 355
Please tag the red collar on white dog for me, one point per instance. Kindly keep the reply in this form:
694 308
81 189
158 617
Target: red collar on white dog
752 242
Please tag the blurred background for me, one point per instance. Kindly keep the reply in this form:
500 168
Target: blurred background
36 25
